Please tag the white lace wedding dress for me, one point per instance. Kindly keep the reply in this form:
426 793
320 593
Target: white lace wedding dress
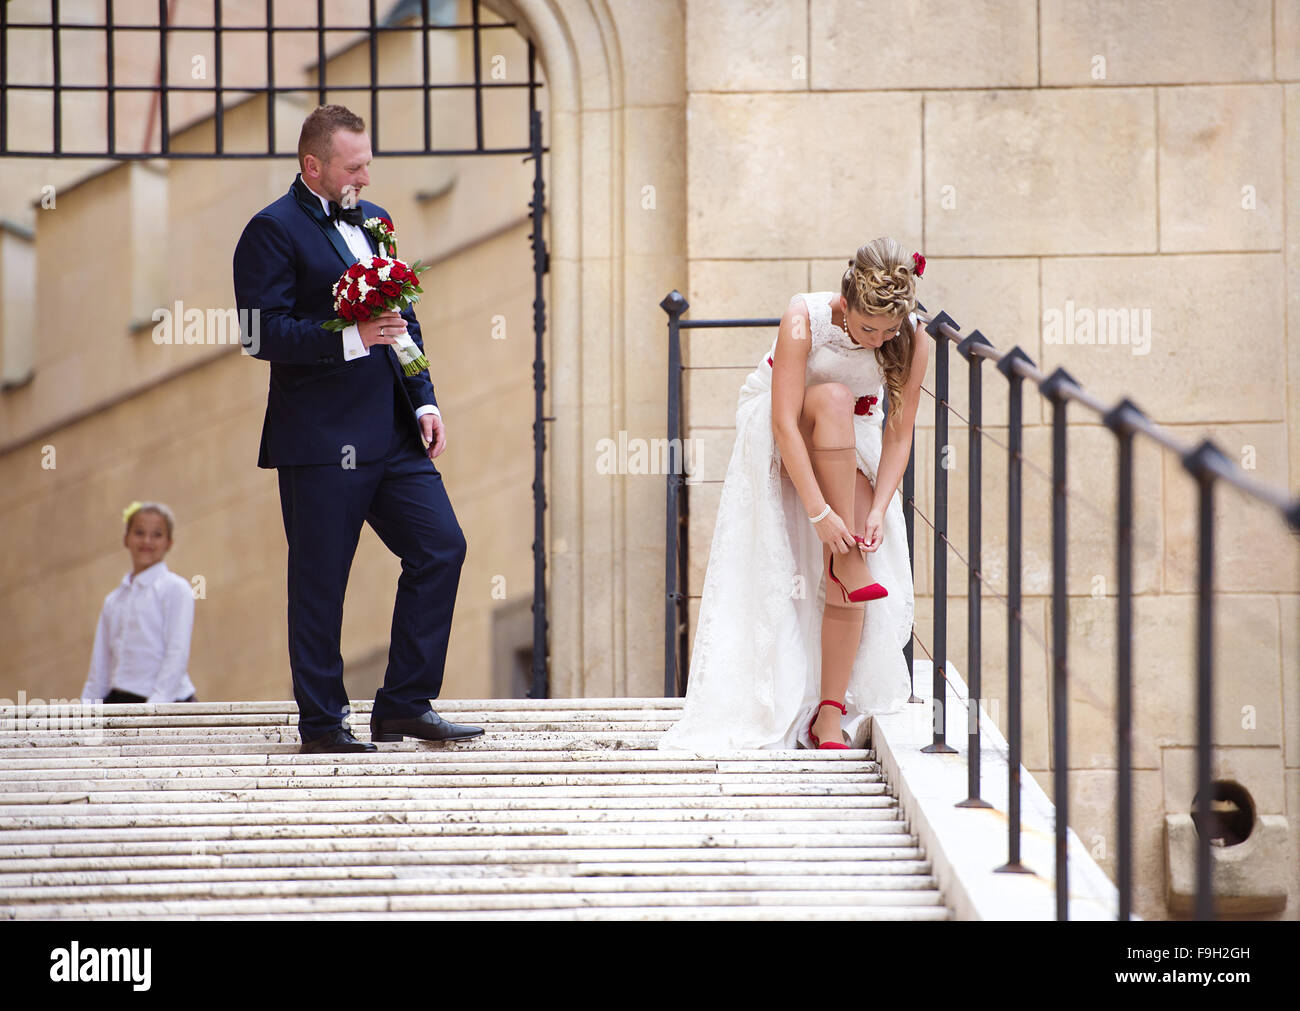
755 669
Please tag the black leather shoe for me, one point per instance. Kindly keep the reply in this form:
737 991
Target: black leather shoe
336 742
427 727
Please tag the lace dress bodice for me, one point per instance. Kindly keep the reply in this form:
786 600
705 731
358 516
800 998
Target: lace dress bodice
834 356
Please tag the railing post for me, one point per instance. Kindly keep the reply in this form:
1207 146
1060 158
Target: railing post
1055 388
1202 462
974 525
940 745
674 304
1006 365
1120 421
541 265
909 520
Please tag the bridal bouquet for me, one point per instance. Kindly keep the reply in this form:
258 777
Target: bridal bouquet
374 285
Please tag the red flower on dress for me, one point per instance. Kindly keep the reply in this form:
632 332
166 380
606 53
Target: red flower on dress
863 406
769 360
918 264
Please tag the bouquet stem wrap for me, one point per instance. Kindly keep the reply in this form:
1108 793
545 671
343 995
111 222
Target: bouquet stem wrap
409 355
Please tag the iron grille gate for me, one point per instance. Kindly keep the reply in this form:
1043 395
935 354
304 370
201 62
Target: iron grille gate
405 16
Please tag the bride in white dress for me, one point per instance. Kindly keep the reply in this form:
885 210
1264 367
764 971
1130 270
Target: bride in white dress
776 637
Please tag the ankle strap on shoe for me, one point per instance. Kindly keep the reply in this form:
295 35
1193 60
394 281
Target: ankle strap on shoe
831 702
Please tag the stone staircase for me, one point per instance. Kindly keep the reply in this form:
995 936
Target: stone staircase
563 810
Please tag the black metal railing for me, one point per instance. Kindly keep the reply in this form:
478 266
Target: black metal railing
1205 462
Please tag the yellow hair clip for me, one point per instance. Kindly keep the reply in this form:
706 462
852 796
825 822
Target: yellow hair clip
130 511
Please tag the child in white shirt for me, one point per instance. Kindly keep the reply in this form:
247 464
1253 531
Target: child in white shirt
142 642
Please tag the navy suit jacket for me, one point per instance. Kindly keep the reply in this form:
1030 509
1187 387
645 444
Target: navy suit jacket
317 405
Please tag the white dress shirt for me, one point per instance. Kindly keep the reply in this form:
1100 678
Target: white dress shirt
355 238
142 642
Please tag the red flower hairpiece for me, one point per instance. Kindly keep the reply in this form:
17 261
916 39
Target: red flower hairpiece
918 264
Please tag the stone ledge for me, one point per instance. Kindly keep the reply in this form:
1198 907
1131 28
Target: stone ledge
966 844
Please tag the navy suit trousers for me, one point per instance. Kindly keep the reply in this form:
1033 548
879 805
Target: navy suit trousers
403 499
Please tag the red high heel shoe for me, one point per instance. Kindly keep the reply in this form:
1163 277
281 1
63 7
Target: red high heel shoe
872 591
828 745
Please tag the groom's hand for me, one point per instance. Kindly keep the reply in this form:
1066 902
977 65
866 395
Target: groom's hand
435 434
381 329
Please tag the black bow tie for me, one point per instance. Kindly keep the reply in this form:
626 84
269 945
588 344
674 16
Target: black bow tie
352 215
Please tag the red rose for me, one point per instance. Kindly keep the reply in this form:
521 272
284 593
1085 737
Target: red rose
372 277
354 292
399 272
390 288
356 270
378 262
918 262
387 224
345 311
373 298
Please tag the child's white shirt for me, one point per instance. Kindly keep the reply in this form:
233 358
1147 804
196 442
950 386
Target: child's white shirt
142 642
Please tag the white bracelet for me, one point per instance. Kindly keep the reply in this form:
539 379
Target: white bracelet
821 515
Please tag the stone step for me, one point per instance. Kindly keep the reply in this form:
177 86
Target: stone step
119 885
234 815
492 723
622 761
891 874
635 737
118 728
286 776
577 861
518 747
499 893
181 715
292 837
332 829
251 791
390 809
362 707
512 893
737 907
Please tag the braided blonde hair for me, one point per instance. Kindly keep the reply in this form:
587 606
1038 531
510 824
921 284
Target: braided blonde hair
880 281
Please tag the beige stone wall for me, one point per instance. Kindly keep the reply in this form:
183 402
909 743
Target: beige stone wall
1112 155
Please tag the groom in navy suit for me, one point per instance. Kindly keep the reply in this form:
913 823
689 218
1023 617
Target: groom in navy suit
346 431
